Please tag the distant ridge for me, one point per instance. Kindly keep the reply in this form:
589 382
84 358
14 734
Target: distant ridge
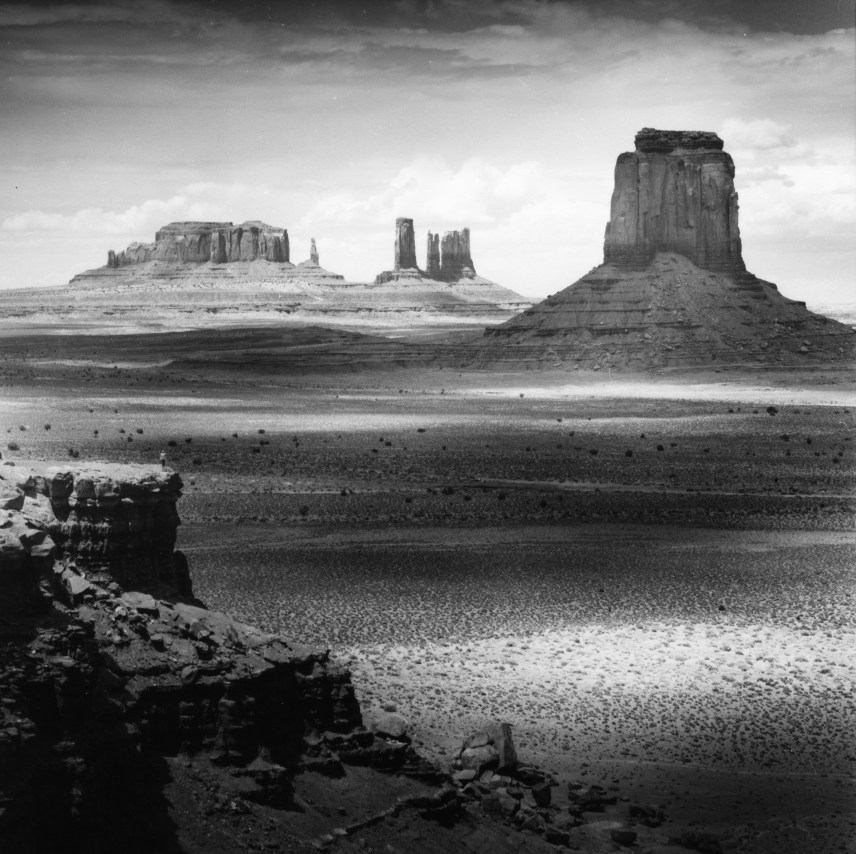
202 274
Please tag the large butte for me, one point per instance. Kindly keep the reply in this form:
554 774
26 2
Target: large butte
673 289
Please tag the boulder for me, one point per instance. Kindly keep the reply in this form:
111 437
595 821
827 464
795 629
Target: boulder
390 725
490 748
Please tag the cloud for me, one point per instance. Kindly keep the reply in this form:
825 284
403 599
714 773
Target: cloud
477 192
757 134
198 201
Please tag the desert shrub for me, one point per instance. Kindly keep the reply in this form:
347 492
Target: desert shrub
47 426
13 446
172 443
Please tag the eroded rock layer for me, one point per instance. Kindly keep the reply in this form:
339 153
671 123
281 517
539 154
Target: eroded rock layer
673 289
455 259
405 244
108 664
201 242
674 193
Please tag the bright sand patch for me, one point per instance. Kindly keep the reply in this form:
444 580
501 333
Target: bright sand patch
720 695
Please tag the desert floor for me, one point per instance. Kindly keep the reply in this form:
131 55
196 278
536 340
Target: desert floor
652 579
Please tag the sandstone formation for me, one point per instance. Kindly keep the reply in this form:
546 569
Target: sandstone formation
214 242
117 683
456 262
405 244
199 275
446 260
432 263
674 193
107 660
673 289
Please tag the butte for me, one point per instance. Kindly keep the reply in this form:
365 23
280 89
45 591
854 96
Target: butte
673 290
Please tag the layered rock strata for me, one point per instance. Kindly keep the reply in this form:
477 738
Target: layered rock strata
455 260
432 263
446 260
405 244
107 662
673 289
201 242
675 193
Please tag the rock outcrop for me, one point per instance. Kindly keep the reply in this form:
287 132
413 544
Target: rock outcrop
675 193
673 289
405 245
201 275
455 260
432 262
446 260
202 242
107 662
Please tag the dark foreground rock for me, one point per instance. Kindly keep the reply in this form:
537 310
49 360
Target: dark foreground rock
134 719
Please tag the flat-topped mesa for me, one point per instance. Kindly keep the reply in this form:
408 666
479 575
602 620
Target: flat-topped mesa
204 242
405 244
675 193
456 262
666 141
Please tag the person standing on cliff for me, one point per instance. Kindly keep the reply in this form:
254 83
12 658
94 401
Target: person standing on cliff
163 459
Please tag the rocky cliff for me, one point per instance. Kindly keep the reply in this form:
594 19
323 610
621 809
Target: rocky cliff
674 193
134 719
446 260
405 244
202 242
455 260
673 289
108 664
432 255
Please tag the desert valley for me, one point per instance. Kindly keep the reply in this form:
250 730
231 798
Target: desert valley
620 520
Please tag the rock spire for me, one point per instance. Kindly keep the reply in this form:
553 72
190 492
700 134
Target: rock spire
432 263
405 245
456 262
313 251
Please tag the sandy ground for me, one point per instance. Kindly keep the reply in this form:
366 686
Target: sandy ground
677 622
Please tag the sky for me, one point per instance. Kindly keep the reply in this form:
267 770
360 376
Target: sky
332 119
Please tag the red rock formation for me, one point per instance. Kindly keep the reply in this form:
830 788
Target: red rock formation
200 242
432 263
456 262
673 288
405 245
675 193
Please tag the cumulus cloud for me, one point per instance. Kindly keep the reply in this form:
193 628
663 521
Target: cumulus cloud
198 201
757 134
